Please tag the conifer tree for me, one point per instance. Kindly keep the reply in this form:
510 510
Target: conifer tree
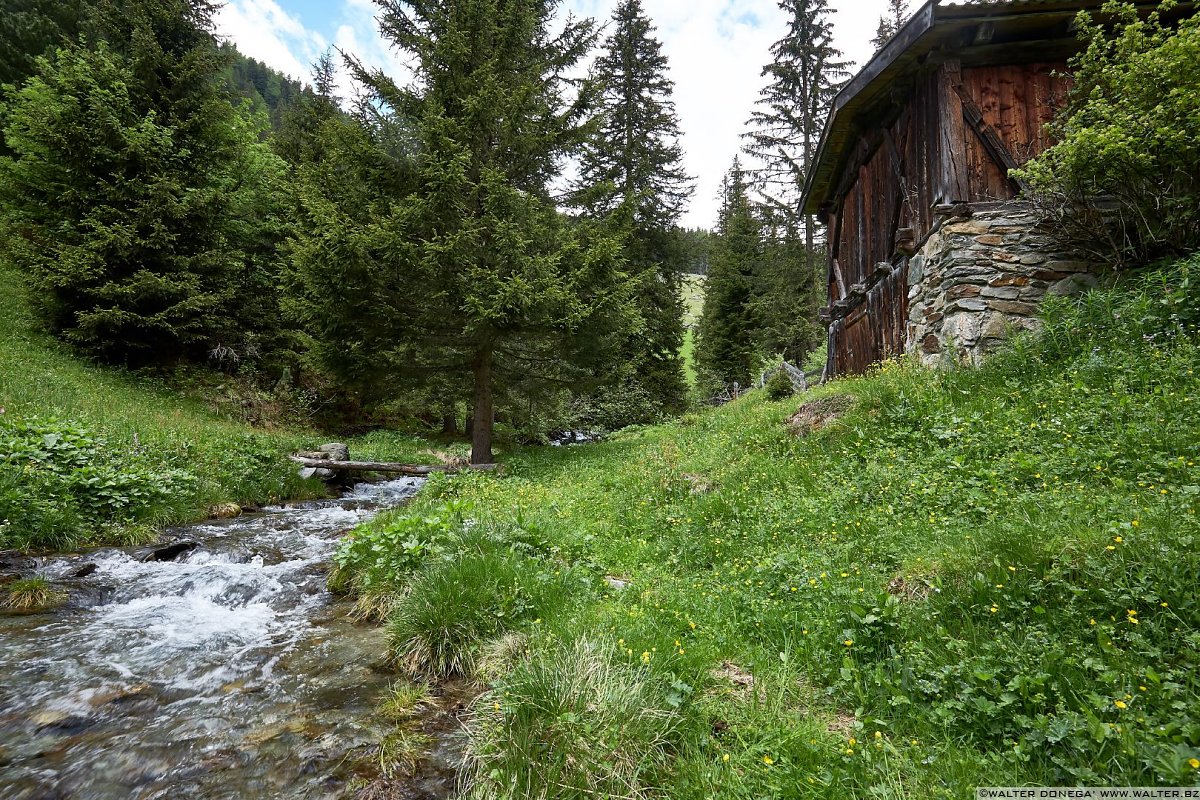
472 272
631 168
803 79
725 350
32 28
890 23
135 193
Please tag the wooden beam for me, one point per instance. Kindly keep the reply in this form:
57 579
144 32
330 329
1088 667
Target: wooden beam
952 139
413 470
990 139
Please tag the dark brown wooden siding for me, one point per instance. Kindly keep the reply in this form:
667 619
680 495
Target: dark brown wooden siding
898 172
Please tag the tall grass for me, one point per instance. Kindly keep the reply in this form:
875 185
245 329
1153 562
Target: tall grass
569 723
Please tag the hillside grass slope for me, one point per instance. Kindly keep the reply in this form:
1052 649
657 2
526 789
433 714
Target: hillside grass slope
93 455
931 581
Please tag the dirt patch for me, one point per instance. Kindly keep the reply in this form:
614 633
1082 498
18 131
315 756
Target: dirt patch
910 589
699 484
842 723
817 414
741 682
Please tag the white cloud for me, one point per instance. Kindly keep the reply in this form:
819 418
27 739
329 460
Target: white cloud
263 30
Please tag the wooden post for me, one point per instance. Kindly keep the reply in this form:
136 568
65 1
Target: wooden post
952 136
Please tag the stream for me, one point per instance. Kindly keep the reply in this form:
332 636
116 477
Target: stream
229 672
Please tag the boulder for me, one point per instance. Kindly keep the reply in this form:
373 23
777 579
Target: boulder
336 451
1074 285
170 552
225 511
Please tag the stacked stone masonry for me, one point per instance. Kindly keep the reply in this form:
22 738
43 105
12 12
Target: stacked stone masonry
980 278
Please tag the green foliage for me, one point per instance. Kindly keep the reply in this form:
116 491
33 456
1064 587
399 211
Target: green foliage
31 594
394 548
436 257
779 385
725 351
269 91
119 435
612 408
139 202
900 604
32 28
815 360
570 722
1121 182
59 486
631 172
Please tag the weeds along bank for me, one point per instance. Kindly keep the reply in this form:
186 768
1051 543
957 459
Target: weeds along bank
91 455
980 577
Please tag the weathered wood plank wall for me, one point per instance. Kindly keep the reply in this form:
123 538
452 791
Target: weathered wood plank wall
924 150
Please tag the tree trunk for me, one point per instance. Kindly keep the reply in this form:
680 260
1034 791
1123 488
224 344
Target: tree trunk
450 422
481 430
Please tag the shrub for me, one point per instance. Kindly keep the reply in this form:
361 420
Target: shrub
1122 182
380 557
569 723
779 385
60 485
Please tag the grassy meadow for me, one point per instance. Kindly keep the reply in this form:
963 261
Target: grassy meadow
925 582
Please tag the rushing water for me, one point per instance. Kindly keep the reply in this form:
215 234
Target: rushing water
228 673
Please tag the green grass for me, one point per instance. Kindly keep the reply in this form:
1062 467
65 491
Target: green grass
693 305
131 452
693 299
31 594
973 577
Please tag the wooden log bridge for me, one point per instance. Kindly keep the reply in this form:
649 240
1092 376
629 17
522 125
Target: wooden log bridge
412 470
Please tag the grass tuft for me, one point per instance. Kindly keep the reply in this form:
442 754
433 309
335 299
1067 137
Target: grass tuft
570 722
32 594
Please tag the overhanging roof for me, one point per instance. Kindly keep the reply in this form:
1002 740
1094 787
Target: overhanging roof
1002 31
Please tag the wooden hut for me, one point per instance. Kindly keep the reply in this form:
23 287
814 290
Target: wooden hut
929 250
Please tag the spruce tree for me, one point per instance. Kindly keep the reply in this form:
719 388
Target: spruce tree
472 272
33 28
890 23
805 75
725 350
137 198
631 169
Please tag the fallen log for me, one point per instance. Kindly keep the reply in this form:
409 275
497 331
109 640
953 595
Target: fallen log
412 470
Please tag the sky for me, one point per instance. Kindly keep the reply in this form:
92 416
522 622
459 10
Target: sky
716 50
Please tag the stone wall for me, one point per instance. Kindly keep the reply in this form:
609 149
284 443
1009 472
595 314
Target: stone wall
981 277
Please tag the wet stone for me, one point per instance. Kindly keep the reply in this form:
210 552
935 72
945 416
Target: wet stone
170 552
